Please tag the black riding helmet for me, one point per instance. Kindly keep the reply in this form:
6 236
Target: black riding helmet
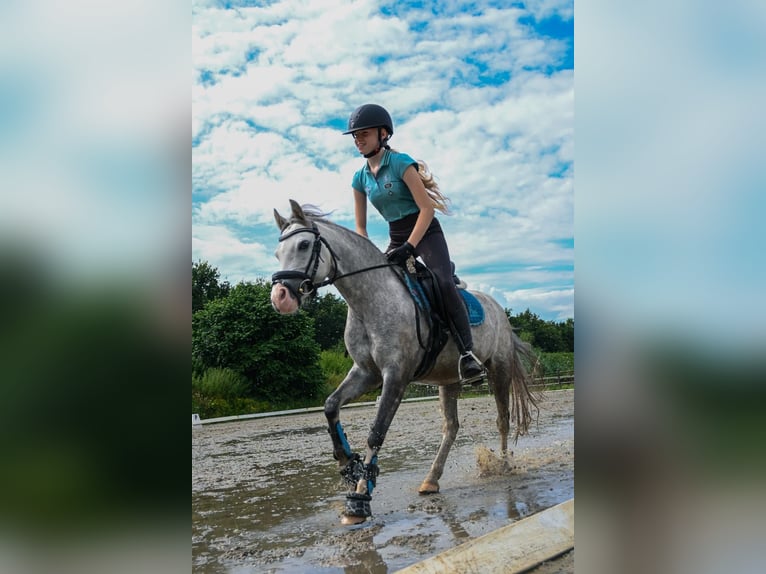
371 116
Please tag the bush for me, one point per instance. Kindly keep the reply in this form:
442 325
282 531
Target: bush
276 353
220 392
552 363
208 407
221 383
335 364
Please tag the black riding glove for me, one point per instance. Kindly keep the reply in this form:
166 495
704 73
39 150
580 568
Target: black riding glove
401 253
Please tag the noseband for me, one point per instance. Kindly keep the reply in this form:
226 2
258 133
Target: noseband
307 285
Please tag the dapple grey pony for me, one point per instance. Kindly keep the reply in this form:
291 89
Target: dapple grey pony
382 339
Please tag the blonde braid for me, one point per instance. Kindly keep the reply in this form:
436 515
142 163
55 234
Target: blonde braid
440 201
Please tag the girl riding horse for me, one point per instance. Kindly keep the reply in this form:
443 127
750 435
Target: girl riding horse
406 195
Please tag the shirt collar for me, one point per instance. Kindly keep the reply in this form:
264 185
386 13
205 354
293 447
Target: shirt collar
383 162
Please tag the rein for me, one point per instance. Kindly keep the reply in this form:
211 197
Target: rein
307 285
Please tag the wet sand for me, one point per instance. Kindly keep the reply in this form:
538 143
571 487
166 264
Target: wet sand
267 496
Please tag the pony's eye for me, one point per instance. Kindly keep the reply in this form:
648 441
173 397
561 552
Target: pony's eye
303 245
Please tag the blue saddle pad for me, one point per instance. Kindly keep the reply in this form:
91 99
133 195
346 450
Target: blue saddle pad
475 310
472 304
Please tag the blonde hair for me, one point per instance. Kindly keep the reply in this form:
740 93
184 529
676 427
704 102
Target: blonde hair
440 201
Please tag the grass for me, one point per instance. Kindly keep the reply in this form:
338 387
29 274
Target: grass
221 392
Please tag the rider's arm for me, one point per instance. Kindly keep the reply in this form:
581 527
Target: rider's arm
360 212
421 197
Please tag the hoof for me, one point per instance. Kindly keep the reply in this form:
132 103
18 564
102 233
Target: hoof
428 487
347 520
357 508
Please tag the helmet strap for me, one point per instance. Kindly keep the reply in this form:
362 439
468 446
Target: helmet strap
381 144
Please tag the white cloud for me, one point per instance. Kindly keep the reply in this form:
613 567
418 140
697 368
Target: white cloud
274 84
558 301
541 9
235 258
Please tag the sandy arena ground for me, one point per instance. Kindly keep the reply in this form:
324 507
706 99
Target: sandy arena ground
267 496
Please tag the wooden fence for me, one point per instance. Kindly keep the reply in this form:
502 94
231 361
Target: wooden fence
552 382
557 380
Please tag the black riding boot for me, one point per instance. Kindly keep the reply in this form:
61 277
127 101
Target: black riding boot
470 370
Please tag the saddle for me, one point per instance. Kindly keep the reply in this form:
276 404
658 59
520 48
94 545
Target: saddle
424 289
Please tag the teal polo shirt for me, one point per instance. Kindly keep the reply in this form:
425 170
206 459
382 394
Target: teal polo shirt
388 192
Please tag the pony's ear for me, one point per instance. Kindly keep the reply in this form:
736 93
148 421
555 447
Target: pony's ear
297 210
281 221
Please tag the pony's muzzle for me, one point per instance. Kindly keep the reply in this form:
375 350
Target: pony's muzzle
283 299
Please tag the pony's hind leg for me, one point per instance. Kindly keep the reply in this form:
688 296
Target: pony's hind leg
448 396
500 384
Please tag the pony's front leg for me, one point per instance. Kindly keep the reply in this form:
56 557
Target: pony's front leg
356 383
358 473
358 502
365 473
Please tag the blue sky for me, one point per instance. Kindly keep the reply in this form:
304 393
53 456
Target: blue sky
482 91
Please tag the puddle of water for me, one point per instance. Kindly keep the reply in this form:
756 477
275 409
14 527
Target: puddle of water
267 496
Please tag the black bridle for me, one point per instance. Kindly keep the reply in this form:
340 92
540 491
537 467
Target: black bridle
307 287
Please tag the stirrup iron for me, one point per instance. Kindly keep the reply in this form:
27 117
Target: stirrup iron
476 379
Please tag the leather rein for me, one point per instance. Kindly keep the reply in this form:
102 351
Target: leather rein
307 285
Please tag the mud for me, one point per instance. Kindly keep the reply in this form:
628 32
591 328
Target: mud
267 496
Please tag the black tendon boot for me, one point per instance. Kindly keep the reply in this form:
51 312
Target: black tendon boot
469 368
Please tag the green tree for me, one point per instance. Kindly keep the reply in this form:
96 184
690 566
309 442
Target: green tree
567 335
329 314
242 332
526 324
547 336
205 285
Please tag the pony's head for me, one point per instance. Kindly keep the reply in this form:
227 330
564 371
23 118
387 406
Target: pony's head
305 261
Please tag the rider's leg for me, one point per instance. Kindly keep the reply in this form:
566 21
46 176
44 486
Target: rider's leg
433 250
469 367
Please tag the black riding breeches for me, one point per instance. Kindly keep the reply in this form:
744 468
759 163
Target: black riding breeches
434 252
